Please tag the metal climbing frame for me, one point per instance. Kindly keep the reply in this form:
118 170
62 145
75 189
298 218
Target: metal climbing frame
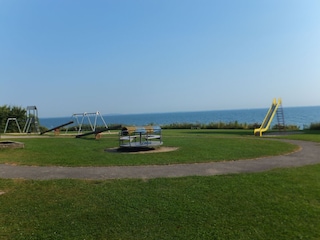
32 120
90 117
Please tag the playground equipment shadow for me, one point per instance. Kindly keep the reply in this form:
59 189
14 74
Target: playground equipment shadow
308 154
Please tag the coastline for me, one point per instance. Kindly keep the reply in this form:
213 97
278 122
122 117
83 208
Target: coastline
299 116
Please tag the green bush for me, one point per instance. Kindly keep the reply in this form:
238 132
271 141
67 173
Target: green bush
286 127
211 125
315 126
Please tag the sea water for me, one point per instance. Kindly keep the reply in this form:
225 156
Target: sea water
299 116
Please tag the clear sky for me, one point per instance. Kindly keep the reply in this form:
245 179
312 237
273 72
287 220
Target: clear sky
147 56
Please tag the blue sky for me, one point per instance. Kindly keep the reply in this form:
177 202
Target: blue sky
147 56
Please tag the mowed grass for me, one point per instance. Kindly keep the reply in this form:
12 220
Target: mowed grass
193 146
279 204
306 135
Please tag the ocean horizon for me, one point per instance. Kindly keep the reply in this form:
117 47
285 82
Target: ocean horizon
299 116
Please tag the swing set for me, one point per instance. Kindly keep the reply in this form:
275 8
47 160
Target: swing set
88 118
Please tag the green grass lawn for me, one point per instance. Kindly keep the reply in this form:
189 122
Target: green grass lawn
306 135
194 146
279 204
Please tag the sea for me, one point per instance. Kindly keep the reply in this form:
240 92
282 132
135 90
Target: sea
298 116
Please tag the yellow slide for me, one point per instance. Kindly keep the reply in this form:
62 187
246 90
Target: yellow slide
269 117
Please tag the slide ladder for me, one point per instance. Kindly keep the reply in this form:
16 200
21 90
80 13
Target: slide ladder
280 118
269 117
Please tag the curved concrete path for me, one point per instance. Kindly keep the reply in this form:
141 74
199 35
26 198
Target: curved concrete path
307 155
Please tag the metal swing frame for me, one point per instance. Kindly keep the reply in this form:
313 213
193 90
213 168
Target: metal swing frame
88 116
7 123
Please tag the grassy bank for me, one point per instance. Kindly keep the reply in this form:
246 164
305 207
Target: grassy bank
280 204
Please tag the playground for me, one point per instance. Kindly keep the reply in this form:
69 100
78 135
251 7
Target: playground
131 138
31 120
141 139
261 187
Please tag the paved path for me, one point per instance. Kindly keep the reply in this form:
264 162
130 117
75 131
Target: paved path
307 155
